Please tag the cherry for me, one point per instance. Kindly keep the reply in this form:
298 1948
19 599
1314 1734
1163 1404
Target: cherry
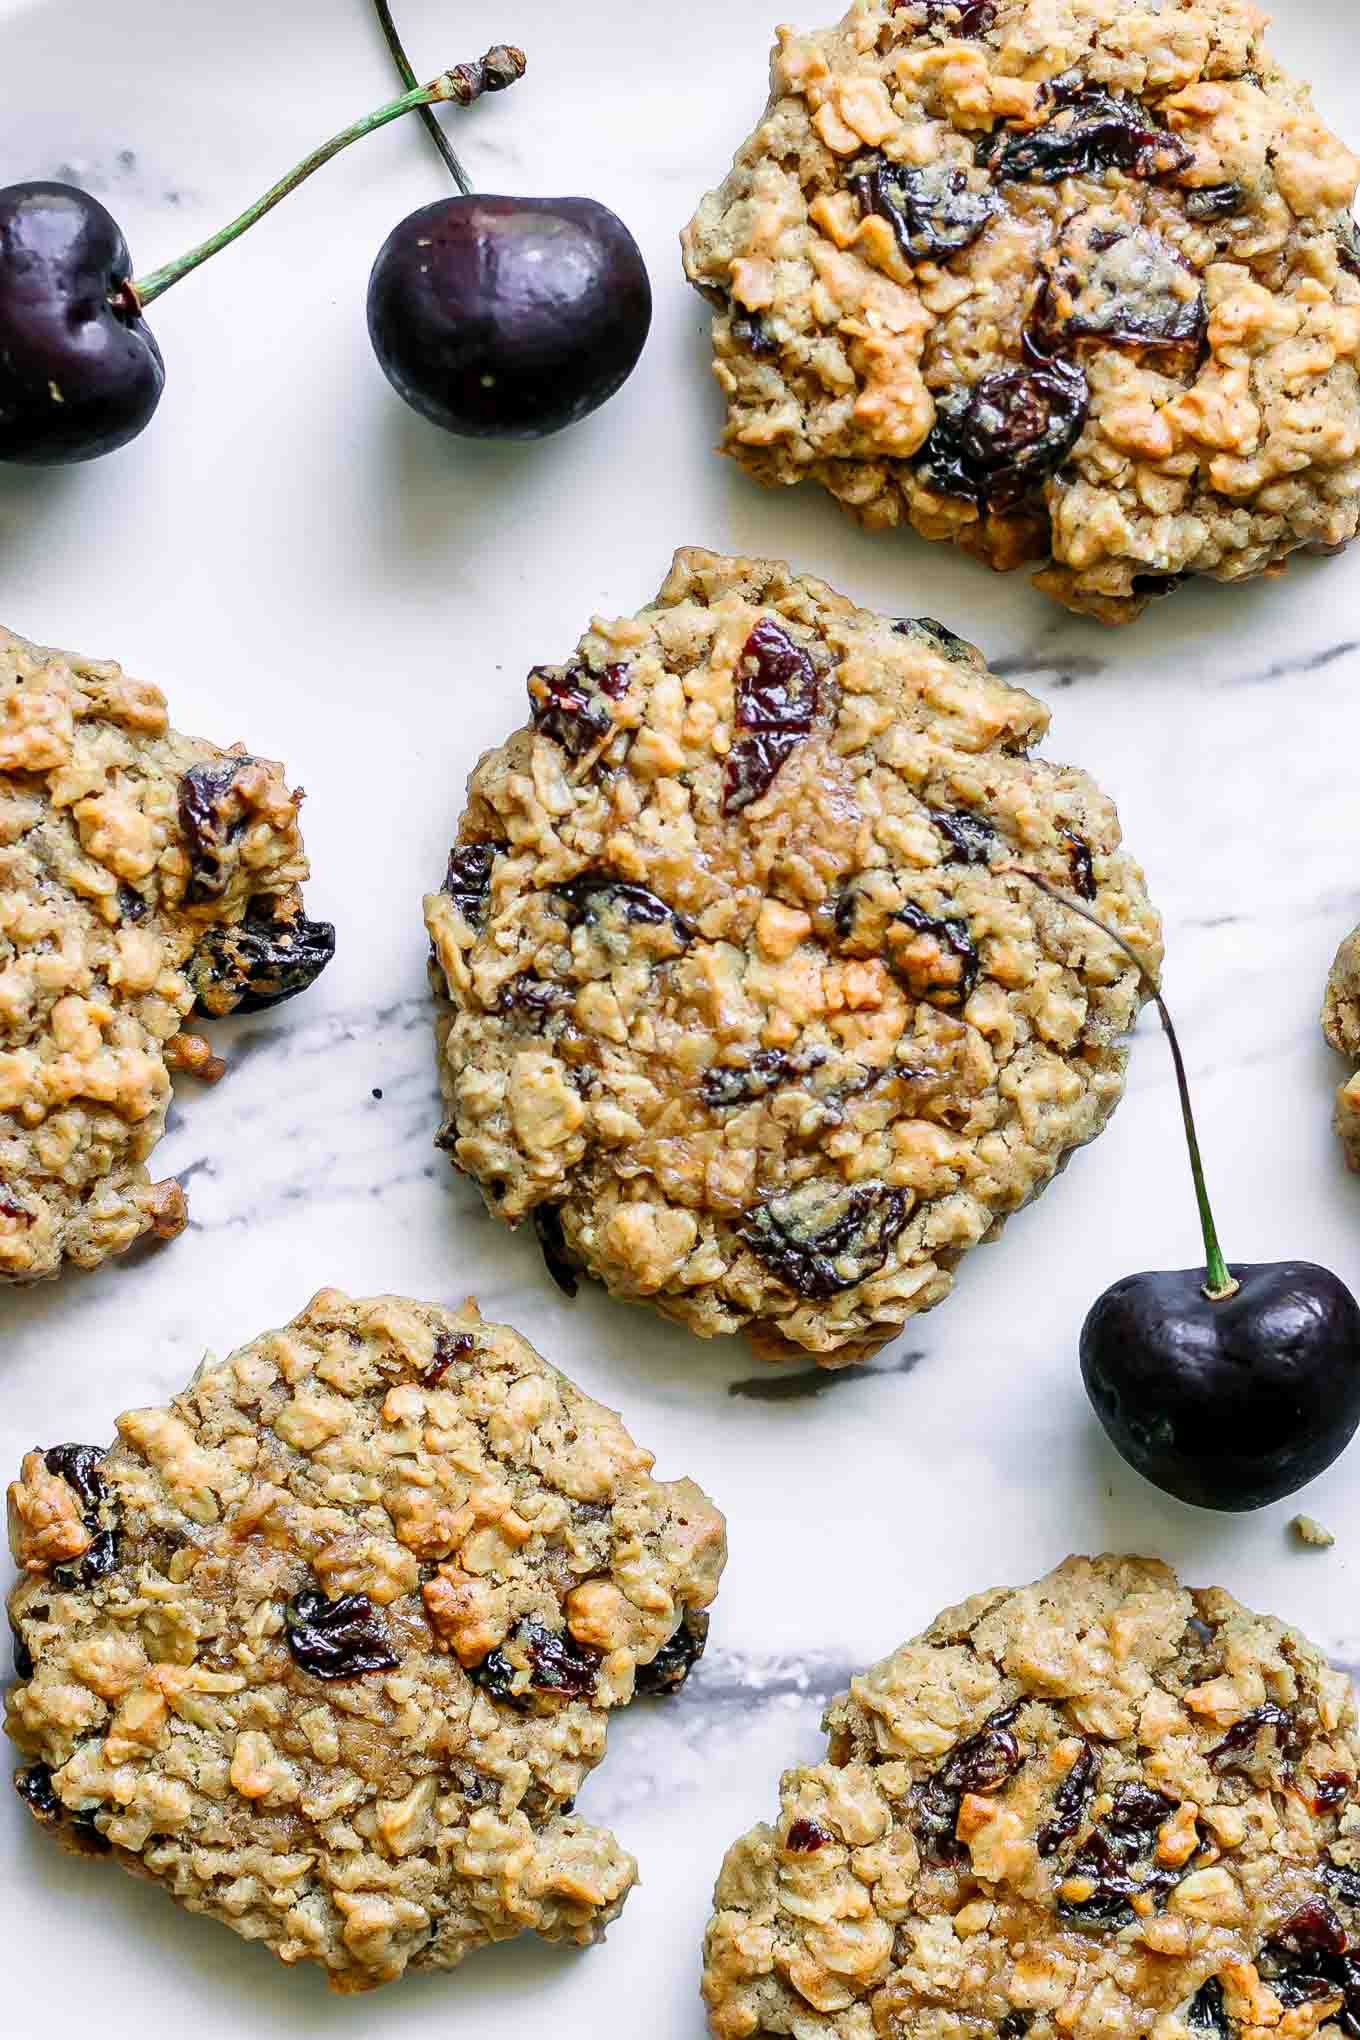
1228 1387
506 318
80 371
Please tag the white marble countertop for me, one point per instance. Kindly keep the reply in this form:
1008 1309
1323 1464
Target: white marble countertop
301 562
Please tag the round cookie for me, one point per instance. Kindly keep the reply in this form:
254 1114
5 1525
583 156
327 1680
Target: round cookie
142 875
1060 281
739 998
327 1648
1097 1805
1341 1025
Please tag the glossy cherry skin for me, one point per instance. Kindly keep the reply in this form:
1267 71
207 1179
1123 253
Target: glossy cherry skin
509 318
1229 1405
80 371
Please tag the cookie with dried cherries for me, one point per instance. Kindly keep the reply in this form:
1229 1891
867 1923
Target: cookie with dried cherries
327 1648
1099 1804
739 999
1341 1025
1068 282
143 875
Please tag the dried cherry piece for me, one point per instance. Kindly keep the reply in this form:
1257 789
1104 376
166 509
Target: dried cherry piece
339 1639
1138 1811
722 1086
271 955
749 330
807 1836
1214 202
998 441
1240 1740
468 880
558 1258
940 635
558 1665
213 817
34 1786
595 895
1015 2025
1069 1801
1329 1790
78 1466
981 1763
676 1659
24 1666
537 998
975 17
1082 865
131 905
1207 2012
806 1237
566 706
9 1209
1344 1881
942 969
777 697
934 211
448 1347
1092 131
971 837
1123 285
1314 1930
95 1563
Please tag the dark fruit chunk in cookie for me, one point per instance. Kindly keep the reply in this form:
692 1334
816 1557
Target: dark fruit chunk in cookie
1241 1739
468 879
935 958
613 905
1207 2012
971 837
1123 285
558 1666
776 701
533 999
1311 1959
820 1239
1214 202
959 17
34 1786
448 1347
212 816
270 956
1069 1802
558 1259
934 212
337 1639
675 1660
78 1466
807 1836
749 330
983 1763
1092 131
567 705
1008 434
939 634
1082 864
723 1086
1110 1861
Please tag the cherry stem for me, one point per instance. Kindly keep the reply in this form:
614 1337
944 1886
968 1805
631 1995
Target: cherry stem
408 78
461 85
1219 1282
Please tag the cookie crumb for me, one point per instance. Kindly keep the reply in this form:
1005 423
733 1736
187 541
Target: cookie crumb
1309 1531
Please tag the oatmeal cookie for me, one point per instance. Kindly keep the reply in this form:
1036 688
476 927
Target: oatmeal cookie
142 874
1062 281
328 1647
738 997
1098 1805
1341 1025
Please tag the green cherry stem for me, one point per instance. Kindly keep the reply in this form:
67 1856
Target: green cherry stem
1219 1282
500 67
461 85
408 78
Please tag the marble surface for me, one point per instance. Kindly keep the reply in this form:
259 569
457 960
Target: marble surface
301 562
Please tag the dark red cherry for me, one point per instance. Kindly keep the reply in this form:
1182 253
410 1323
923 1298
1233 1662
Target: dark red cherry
1228 1387
80 371
509 318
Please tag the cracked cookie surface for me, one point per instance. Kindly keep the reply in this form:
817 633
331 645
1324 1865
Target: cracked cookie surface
327 1648
1060 281
737 998
1341 1025
141 873
1101 1804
